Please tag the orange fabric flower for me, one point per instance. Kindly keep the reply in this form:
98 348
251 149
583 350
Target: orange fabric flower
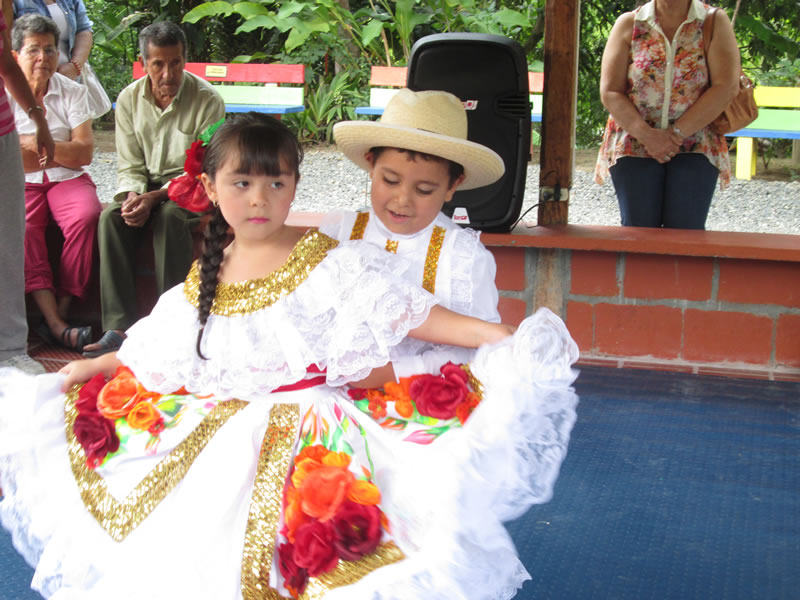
464 410
323 490
316 452
118 396
143 416
405 383
293 516
336 459
377 403
302 468
402 400
364 492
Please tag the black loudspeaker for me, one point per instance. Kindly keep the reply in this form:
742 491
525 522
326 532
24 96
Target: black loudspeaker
490 75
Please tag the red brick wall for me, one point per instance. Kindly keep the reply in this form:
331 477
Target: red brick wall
696 314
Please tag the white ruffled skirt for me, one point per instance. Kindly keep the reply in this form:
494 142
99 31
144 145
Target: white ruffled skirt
445 501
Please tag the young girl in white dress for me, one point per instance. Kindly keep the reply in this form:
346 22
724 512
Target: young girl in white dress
220 461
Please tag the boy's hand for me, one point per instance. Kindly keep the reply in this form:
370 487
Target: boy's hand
495 332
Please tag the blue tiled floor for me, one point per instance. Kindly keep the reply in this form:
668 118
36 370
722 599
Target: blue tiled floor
675 486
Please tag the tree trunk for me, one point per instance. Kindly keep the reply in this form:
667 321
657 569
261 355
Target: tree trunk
351 47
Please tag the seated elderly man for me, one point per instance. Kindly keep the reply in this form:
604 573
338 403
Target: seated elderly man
157 119
61 191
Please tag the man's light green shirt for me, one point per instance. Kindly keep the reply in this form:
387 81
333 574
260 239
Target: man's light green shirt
151 142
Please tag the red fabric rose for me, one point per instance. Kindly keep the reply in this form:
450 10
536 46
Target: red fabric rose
439 397
357 393
87 397
358 530
295 578
194 158
314 548
454 372
188 192
97 436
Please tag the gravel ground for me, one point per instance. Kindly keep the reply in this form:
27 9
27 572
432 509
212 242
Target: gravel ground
330 181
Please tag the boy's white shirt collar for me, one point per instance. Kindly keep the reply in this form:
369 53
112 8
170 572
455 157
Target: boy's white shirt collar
648 12
399 236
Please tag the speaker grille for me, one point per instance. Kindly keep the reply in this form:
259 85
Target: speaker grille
516 106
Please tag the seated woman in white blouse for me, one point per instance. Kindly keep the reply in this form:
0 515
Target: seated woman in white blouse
61 191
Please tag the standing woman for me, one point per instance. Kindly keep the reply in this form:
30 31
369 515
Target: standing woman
663 159
13 326
74 26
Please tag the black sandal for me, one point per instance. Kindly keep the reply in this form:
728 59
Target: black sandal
84 337
110 342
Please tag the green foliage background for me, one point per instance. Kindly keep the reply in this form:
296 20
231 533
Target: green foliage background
338 40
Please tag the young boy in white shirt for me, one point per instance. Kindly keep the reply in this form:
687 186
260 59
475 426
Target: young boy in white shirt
417 155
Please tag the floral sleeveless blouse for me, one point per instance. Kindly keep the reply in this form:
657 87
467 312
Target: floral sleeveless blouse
653 62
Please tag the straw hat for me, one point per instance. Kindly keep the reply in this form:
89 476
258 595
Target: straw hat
432 122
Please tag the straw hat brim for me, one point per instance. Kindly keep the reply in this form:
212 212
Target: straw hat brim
482 165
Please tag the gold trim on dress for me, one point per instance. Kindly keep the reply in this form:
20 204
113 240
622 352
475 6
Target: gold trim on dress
119 518
243 297
391 246
267 501
349 572
474 382
359 226
432 259
266 504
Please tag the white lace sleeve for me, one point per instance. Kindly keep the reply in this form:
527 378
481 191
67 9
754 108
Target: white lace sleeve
473 272
344 318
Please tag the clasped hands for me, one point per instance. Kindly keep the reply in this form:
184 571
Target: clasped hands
136 207
662 144
31 143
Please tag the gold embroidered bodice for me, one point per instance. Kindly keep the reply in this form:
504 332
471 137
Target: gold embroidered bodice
243 297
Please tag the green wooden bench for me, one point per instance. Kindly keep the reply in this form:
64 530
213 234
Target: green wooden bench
274 89
384 83
778 117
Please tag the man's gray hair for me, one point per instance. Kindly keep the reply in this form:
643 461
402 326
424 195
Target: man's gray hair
32 24
161 35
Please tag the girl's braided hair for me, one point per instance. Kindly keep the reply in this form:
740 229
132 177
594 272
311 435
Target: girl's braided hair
260 144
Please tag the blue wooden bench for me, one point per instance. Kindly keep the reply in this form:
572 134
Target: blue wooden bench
778 118
275 89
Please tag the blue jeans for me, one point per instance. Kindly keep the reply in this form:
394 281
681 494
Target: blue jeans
675 194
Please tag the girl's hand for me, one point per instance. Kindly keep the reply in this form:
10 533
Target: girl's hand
81 371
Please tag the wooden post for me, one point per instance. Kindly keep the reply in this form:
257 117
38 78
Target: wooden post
561 28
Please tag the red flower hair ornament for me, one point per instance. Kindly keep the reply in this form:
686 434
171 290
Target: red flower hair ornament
187 191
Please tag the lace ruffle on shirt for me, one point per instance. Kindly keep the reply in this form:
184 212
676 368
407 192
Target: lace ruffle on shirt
344 317
462 260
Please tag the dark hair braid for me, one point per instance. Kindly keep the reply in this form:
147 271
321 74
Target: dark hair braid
215 236
259 143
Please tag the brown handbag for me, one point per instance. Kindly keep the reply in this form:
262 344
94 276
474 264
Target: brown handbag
742 110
